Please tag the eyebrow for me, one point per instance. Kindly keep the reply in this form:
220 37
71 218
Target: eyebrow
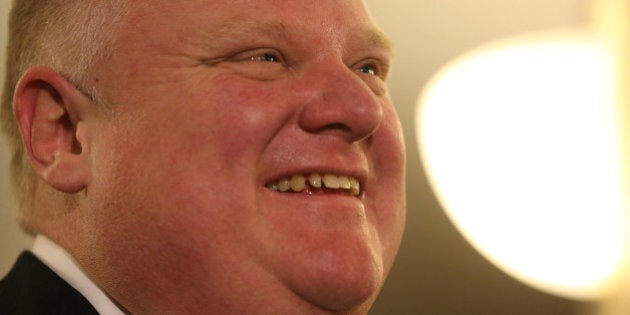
371 36
378 38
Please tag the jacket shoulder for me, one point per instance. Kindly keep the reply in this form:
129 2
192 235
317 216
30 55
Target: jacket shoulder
31 287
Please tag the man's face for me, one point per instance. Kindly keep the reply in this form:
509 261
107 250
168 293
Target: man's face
214 106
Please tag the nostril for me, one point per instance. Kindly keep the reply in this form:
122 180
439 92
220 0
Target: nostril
336 126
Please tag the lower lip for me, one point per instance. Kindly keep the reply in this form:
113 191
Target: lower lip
310 190
320 191
332 211
311 194
322 209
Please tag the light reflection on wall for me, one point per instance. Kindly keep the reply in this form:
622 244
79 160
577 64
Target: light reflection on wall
521 143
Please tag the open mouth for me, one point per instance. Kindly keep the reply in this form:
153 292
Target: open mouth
315 182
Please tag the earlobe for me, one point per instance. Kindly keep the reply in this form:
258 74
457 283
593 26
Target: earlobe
51 114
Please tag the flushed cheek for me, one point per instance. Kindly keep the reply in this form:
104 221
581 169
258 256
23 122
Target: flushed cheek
183 207
235 117
192 151
389 204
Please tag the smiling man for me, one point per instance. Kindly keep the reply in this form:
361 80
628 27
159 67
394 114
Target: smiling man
202 156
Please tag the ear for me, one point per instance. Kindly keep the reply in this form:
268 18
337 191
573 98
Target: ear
51 114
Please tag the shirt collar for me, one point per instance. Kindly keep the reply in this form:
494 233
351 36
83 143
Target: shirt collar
60 261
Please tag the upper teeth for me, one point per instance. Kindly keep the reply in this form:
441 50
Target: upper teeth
298 183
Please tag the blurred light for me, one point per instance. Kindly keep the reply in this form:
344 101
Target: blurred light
521 145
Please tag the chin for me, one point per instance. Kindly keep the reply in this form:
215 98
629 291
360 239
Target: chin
350 298
343 281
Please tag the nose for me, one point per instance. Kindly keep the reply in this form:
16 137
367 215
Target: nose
339 103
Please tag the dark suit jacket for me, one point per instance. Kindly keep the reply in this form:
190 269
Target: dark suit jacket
33 288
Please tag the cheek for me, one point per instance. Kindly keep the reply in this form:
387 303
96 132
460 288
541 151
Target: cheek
151 204
232 123
388 152
190 158
214 124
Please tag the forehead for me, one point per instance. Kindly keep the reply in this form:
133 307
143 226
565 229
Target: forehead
220 19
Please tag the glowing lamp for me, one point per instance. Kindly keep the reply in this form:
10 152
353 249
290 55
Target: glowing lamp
521 145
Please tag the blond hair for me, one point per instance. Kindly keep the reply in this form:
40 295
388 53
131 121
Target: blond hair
68 36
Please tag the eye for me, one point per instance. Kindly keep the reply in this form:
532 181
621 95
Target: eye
369 68
265 57
373 68
374 72
261 64
262 55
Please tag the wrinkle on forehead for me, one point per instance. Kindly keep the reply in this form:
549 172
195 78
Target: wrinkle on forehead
234 29
367 35
220 22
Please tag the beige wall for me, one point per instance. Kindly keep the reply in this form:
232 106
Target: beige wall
437 271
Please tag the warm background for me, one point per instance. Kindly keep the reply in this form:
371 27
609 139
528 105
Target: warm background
437 272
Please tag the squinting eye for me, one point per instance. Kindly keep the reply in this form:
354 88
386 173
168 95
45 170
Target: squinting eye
265 57
262 55
368 69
